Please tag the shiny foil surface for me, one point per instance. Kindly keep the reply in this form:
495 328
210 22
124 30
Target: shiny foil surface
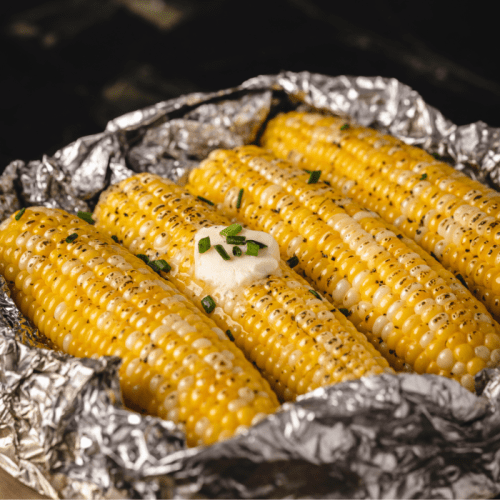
63 428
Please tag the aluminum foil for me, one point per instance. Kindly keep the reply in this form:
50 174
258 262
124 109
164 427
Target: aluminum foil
63 428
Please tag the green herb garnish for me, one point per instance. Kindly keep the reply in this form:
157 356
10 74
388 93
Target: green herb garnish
236 240
20 213
160 265
205 200
423 177
261 245
222 252
345 312
208 304
314 176
293 261
252 248
115 238
86 216
345 126
143 257
155 265
240 196
71 238
230 335
237 251
231 230
204 244
316 294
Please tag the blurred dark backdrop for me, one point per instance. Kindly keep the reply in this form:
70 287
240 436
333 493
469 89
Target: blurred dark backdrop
69 66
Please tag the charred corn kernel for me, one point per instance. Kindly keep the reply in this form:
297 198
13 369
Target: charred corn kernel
92 297
298 341
447 213
410 307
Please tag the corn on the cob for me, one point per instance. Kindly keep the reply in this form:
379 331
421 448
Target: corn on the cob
412 309
92 297
299 342
447 213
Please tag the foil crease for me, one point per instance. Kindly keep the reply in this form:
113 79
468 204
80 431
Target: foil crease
63 427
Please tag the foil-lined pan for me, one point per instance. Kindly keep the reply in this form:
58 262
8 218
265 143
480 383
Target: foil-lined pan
63 428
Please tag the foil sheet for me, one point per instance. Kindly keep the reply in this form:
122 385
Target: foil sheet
63 427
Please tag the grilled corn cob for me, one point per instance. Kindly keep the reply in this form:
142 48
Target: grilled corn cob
298 341
92 297
447 213
414 311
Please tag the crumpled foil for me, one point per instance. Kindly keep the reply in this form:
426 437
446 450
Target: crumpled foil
63 428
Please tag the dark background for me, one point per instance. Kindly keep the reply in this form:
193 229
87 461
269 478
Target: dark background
69 66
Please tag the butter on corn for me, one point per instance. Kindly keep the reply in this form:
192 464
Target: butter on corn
442 209
412 309
298 341
91 297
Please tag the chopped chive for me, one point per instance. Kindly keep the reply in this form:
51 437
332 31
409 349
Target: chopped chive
240 196
252 248
436 156
230 335
231 230
315 293
236 240
86 216
20 213
143 257
423 177
222 252
72 237
345 312
314 177
115 238
261 245
208 304
237 251
205 200
204 244
345 126
293 261
155 265
160 265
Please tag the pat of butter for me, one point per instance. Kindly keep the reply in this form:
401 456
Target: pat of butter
227 275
